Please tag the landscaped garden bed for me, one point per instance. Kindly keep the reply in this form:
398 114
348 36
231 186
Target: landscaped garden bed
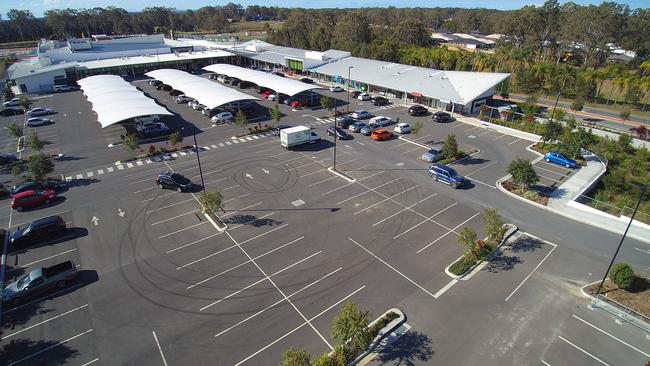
624 287
528 194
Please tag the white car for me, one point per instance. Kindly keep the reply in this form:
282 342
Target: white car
272 97
402 128
63 88
336 89
12 103
38 121
361 114
198 106
192 103
364 96
381 121
40 112
222 117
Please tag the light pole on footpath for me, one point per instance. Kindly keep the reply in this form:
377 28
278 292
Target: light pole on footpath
349 69
198 159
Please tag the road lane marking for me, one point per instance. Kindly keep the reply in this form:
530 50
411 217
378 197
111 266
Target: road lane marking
404 209
611 336
168 206
384 200
159 348
183 229
50 347
425 220
368 190
445 288
44 321
583 351
447 233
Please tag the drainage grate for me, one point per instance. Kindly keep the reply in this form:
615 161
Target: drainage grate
298 203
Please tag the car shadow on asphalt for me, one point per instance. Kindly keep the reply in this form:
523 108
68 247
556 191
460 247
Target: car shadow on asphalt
412 347
80 183
472 161
15 350
320 146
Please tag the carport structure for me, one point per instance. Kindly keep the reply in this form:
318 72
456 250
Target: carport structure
276 83
115 100
206 92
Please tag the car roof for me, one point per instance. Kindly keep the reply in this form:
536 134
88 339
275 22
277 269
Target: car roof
25 193
45 220
402 124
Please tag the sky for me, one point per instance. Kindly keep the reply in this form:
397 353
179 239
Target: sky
38 7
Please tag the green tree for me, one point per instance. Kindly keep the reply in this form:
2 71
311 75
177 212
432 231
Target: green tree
327 102
275 114
505 89
624 143
411 31
558 114
574 140
241 119
131 143
211 202
523 174
175 138
34 142
625 114
622 275
450 147
293 357
467 239
417 128
351 326
578 104
325 360
493 223
15 130
552 130
40 166
9 94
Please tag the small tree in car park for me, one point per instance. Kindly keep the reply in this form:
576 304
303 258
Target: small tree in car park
131 143
327 102
416 128
293 357
467 240
493 224
450 146
175 139
350 327
552 130
622 275
240 119
34 142
40 166
275 114
15 130
211 202
523 174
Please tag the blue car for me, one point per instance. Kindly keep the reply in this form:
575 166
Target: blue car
561 159
445 174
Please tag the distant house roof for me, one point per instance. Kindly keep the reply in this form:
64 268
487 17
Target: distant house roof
460 87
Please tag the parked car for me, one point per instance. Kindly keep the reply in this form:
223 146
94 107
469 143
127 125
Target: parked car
418 110
47 184
344 121
11 112
379 101
381 134
357 126
307 80
445 174
7 158
40 112
46 228
336 89
402 128
153 129
277 129
354 94
207 112
147 119
366 131
266 93
297 104
155 82
180 99
441 117
272 97
381 121
222 117
166 88
64 88
361 114
38 121
192 103
561 159
363 96
432 155
171 180
39 281
339 132
198 106
29 199
234 82
175 92
245 84
213 76
12 103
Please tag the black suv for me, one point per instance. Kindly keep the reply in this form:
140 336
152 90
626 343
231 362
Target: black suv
173 180
340 133
417 110
45 228
441 117
379 101
46 184
10 112
344 121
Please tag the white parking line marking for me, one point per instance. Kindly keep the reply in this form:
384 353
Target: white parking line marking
206 148
148 179
425 220
139 162
183 153
129 165
260 281
445 288
583 351
183 229
481 168
323 181
279 302
191 243
384 200
533 271
349 184
300 326
404 209
234 198
91 362
44 321
50 347
159 349
447 233
80 176
90 174
168 206
41 260
175 217
553 171
367 191
486 132
110 169
161 196
494 139
217 180
510 143
120 167
391 267
611 336
213 146
100 171
262 234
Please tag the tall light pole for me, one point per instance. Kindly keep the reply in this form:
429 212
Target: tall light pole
643 189
335 137
349 69
198 159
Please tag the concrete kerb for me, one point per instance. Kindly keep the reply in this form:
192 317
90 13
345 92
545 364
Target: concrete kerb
413 142
613 309
478 266
215 224
342 175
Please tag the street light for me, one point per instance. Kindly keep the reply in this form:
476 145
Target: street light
349 69
643 189
335 104
196 149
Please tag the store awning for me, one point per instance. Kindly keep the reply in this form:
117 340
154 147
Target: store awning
276 83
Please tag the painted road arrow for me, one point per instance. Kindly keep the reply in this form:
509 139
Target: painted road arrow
249 176
266 171
95 220
120 213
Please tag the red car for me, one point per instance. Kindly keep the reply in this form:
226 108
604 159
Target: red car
381 134
29 199
296 104
267 93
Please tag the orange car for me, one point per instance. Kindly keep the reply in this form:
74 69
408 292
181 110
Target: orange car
381 134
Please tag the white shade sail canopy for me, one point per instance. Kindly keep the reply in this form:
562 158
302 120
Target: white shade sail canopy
276 83
207 92
115 100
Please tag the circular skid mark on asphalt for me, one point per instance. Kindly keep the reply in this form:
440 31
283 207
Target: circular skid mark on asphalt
252 176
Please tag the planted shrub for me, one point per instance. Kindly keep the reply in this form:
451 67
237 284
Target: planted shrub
462 265
622 275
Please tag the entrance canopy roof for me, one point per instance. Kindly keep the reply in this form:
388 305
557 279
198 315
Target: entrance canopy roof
115 100
207 92
276 83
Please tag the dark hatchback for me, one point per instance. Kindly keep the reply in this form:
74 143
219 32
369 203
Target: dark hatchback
171 180
379 101
340 133
418 110
36 231
441 117
344 121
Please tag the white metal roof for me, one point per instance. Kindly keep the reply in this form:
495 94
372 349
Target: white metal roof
276 83
115 100
460 87
208 93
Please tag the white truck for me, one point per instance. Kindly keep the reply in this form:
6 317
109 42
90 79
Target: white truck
299 135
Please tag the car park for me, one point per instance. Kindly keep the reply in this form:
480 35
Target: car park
222 117
38 121
336 89
7 158
381 121
5 112
266 93
213 76
234 82
153 129
192 103
180 99
402 128
245 84
367 130
64 88
155 82
344 121
363 96
357 126
207 112
12 103
442 173
441 117
175 93
32 198
40 112
361 114
339 132
379 101
171 180
198 106
381 134
296 104
46 228
418 110
307 80
561 159
39 281
272 97
47 184
432 155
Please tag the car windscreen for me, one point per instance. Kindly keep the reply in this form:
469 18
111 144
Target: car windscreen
23 281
